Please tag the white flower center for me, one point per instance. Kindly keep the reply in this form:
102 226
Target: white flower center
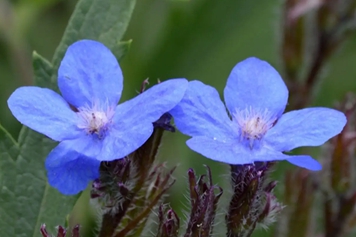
253 124
94 119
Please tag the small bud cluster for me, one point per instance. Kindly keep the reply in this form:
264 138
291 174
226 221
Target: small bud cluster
252 202
61 232
168 222
204 197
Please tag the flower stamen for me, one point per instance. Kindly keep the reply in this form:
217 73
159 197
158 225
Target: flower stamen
253 124
94 119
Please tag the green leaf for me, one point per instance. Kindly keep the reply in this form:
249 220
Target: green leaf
121 48
37 202
43 71
26 199
8 153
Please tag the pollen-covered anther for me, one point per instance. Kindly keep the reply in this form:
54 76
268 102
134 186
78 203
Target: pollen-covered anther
97 122
94 120
253 124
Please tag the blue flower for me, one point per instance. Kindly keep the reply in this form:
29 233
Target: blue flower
255 129
87 121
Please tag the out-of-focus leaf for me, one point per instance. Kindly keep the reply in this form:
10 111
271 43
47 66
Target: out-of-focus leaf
43 71
8 153
37 202
120 49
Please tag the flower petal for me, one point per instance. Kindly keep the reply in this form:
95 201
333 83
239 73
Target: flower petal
254 83
232 152
68 171
133 119
87 144
123 142
90 73
305 127
218 150
306 162
44 111
153 103
235 154
201 113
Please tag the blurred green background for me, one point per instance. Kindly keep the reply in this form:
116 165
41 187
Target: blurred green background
196 39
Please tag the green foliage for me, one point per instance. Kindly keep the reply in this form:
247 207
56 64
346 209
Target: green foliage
26 199
8 153
43 70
